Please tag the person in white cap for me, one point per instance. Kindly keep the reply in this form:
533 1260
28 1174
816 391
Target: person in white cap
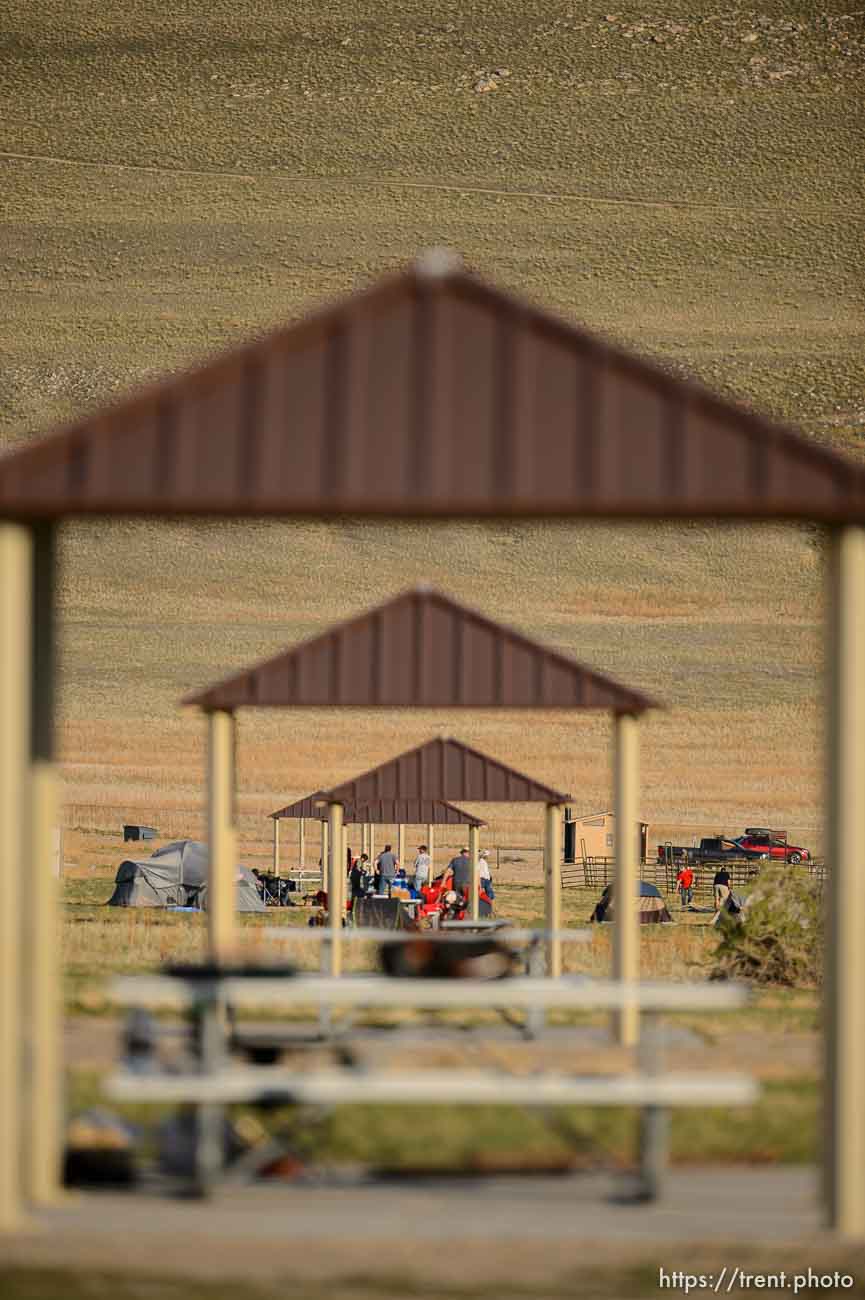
421 867
485 873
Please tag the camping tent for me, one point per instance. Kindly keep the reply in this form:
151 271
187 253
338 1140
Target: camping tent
652 909
176 876
731 910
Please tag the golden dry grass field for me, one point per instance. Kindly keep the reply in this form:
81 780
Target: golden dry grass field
685 180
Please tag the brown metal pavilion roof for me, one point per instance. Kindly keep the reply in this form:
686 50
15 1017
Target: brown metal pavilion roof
425 650
385 812
432 393
444 769
310 806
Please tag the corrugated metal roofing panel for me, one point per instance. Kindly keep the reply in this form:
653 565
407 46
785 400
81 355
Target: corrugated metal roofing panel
309 806
445 769
422 650
410 812
430 395
384 812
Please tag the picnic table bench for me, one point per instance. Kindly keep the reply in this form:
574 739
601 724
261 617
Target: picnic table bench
213 1080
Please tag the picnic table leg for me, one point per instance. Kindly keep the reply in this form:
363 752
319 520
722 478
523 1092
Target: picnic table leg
654 1120
535 1016
325 1024
209 1116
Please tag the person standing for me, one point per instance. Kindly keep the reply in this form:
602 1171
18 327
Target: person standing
386 864
461 870
486 874
357 882
422 867
721 886
358 877
685 886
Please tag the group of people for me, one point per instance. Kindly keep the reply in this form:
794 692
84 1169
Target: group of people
448 893
685 886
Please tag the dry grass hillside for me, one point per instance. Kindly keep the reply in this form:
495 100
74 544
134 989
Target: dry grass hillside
686 179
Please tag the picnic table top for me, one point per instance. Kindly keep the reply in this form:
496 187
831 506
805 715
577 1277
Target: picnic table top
517 992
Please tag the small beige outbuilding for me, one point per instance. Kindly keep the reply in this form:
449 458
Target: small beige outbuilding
594 836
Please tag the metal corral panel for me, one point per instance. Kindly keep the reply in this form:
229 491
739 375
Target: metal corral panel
432 393
422 650
384 812
444 769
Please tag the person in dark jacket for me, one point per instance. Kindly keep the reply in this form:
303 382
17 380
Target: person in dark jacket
386 865
359 879
721 885
461 866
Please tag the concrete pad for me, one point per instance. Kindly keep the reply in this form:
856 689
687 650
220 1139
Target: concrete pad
496 1229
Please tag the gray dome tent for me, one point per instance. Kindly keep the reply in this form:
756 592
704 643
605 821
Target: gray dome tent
650 904
176 876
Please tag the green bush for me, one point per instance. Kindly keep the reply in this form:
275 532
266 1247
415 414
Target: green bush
778 936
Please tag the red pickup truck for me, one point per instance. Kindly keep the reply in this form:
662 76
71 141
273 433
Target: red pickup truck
772 844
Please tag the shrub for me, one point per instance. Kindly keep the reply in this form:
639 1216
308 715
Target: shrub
778 937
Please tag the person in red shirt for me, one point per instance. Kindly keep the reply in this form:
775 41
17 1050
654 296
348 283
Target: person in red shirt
685 886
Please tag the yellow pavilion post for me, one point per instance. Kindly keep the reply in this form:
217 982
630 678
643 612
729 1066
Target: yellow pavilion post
301 842
400 844
430 848
43 1092
222 836
626 929
16 560
474 851
276 846
844 984
325 857
336 885
553 886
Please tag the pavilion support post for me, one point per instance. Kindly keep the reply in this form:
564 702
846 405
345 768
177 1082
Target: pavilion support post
370 837
16 559
844 983
276 846
43 1114
400 844
474 851
222 836
336 883
301 842
626 930
553 887
430 848
325 857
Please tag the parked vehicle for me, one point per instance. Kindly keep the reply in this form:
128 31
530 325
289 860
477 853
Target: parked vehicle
772 844
714 848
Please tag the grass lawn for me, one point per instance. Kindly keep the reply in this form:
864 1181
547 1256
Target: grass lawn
782 1127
